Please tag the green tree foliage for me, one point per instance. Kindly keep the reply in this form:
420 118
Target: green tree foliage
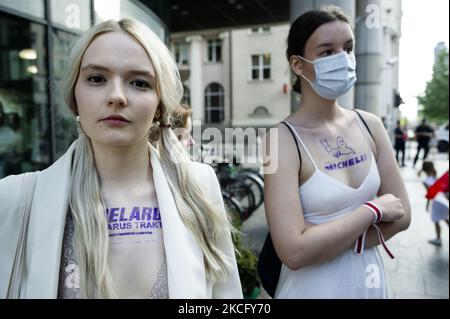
435 100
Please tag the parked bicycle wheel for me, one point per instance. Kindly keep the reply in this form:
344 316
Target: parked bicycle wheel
243 184
233 208
242 192
257 186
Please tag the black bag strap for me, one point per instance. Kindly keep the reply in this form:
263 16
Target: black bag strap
296 142
365 124
269 264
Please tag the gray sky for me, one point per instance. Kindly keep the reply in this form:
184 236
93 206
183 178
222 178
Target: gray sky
424 24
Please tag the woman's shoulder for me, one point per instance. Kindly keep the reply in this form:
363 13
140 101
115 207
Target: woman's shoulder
11 186
206 178
371 119
10 183
202 170
11 189
280 136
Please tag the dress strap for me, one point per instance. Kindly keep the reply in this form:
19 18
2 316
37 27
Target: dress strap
291 128
296 142
362 122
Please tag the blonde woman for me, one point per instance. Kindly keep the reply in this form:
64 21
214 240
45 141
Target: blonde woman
114 217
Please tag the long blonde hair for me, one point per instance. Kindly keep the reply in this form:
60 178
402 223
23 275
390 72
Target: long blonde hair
208 223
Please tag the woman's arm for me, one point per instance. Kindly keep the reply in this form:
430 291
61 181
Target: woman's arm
296 244
391 181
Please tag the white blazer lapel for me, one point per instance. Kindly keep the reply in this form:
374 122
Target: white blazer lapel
185 266
46 229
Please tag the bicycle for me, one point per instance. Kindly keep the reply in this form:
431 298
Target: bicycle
243 185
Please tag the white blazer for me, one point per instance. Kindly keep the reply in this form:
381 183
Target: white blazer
185 266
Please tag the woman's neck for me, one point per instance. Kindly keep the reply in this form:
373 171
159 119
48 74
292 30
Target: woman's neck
314 110
123 166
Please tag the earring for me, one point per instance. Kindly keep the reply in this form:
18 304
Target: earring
156 123
79 128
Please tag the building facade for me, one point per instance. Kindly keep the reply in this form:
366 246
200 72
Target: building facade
250 81
233 77
237 77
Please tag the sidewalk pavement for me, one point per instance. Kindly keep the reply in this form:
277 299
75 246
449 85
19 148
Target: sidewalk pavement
419 270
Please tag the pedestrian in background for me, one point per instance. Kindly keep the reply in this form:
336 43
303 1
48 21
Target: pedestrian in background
423 135
430 172
438 193
400 143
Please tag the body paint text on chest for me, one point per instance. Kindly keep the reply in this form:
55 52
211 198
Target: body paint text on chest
136 214
346 163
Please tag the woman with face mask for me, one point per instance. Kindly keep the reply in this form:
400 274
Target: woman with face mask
333 190
115 217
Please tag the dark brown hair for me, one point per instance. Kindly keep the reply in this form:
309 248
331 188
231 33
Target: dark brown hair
428 168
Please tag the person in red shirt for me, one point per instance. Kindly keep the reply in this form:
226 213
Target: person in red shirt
438 192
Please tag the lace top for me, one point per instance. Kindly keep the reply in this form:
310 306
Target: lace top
69 276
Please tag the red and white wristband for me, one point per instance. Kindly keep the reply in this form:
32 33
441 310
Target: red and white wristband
376 210
378 216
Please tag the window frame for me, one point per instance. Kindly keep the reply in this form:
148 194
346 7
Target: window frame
260 67
208 95
213 45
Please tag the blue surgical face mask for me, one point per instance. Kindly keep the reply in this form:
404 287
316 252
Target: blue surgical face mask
335 75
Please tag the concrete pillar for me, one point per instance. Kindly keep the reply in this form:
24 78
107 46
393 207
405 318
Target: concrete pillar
369 56
387 106
392 16
297 8
195 79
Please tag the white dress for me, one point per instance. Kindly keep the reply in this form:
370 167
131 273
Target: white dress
348 275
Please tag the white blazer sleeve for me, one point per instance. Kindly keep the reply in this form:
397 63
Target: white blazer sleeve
230 288
9 226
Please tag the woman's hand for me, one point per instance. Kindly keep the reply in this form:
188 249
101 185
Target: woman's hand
391 207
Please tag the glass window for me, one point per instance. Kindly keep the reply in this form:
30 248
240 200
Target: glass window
24 110
266 66
117 9
106 9
142 13
186 95
260 68
219 52
65 128
181 53
35 8
214 103
72 14
255 74
62 42
215 50
259 30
